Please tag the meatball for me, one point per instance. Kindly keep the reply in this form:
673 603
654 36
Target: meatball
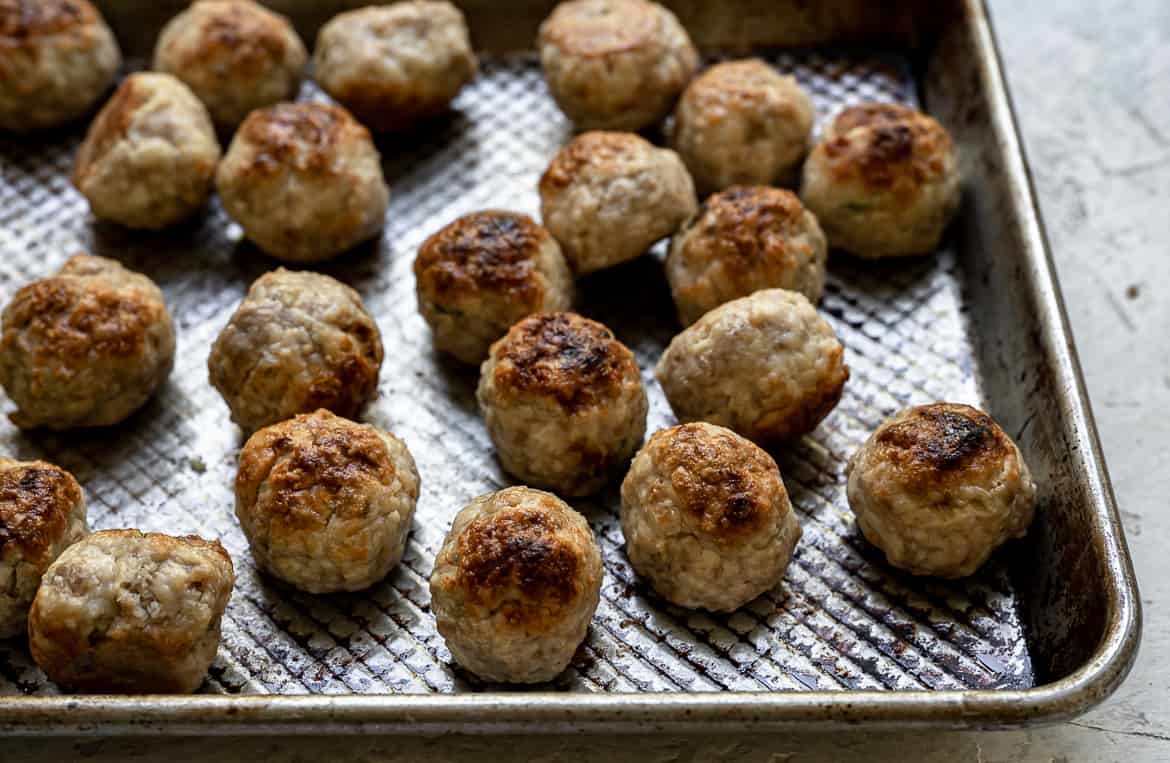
482 273
126 612
608 196
615 64
304 181
743 240
766 366
150 156
86 347
938 488
42 511
298 342
57 57
564 402
884 181
326 503
515 585
742 123
395 66
706 517
235 54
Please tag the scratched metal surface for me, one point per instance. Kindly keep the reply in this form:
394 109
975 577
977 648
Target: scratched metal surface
840 620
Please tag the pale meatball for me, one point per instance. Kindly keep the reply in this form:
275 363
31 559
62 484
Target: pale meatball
298 342
608 196
938 488
482 273
743 240
326 503
126 612
742 123
615 64
397 65
86 347
515 585
706 517
564 402
304 181
42 511
57 57
235 54
150 156
883 182
766 366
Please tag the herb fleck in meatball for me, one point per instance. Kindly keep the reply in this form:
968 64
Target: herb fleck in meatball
742 123
515 585
743 240
884 181
615 64
939 487
131 613
304 181
57 57
42 511
326 503
608 196
706 517
564 402
396 65
236 55
766 366
150 156
86 347
298 342
482 273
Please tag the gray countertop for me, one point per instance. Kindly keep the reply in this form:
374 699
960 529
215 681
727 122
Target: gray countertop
1088 80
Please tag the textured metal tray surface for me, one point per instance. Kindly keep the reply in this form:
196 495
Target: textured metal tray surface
842 619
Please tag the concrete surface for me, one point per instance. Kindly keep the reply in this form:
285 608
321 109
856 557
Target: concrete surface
1089 83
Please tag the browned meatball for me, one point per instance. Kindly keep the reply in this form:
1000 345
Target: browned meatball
127 612
235 54
742 240
939 487
482 273
706 517
57 57
86 347
304 181
884 181
298 342
564 402
515 585
326 502
42 512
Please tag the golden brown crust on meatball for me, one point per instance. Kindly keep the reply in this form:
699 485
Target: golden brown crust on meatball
903 149
235 54
742 240
484 251
936 445
37 500
724 482
598 148
519 549
86 347
111 125
129 612
572 359
301 136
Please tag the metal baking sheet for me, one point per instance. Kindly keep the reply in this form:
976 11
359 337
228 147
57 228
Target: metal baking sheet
842 632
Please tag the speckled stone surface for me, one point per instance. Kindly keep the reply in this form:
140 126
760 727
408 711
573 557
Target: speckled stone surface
1088 80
